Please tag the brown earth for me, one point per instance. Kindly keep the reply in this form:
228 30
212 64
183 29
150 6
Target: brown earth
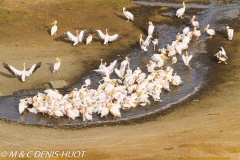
204 127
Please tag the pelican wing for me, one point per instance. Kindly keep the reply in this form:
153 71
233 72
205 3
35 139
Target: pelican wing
184 59
33 69
82 34
224 53
112 65
12 70
129 15
180 12
100 34
69 35
189 58
53 30
114 37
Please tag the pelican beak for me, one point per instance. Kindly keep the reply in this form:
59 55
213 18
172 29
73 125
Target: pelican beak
139 37
59 59
53 23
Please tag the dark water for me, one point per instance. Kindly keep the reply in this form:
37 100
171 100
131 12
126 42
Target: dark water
193 79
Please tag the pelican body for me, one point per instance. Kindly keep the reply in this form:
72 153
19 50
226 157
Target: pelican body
181 11
230 33
75 39
24 73
89 39
150 28
54 28
57 65
128 15
106 37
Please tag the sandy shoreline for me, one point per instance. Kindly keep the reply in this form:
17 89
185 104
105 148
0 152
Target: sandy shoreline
204 127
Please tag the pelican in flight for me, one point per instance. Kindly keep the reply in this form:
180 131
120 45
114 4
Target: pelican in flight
54 28
186 59
150 28
24 73
194 23
75 39
210 32
57 65
106 37
128 14
230 33
89 39
181 11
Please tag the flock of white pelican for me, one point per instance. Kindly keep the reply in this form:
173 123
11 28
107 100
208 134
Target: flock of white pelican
132 88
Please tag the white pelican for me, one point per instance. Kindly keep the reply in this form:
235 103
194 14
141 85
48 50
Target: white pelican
174 59
194 23
142 43
211 32
54 28
155 42
196 33
57 65
22 105
107 70
186 59
106 37
150 28
24 73
75 39
162 51
221 55
230 33
181 11
128 14
89 39
186 30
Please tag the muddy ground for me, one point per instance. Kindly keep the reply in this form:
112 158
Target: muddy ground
204 127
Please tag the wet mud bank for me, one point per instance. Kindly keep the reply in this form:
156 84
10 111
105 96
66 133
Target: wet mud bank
196 81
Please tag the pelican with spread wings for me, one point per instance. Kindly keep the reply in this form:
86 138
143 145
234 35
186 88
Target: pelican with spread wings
106 37
75 39
24 73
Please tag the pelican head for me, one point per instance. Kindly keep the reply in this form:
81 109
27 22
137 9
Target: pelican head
124 9
227 27
24 64
54 22
150 22
184 5
140 36
127 58
193 18
206 27
58 59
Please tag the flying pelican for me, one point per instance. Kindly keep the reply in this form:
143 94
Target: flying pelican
106 37
186 59
211 32
54 28
128 14
181 11
24 73
57 65
230 33
194 23
89 39
150 28
77 38
196 33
